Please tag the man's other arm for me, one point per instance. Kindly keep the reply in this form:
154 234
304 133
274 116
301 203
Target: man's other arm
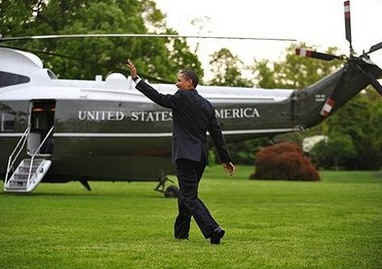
217 136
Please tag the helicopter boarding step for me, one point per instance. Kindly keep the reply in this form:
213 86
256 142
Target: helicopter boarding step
27 175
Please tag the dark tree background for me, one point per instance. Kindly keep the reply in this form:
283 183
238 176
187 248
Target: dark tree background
159 58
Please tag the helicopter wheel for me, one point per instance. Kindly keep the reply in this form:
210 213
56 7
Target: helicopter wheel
171 191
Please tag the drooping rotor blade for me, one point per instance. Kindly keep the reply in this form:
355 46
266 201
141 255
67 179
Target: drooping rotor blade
44 52
316 55
372 80
375 47
151 78
347 24
3 39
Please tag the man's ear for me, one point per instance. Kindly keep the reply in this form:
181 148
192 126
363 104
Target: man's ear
191 82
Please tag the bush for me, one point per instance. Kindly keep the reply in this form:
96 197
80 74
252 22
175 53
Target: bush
244 152
338 153
284 161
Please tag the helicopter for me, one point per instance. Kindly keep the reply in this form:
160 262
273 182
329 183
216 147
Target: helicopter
57 130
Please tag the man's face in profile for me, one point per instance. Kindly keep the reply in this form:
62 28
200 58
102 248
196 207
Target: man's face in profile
184 83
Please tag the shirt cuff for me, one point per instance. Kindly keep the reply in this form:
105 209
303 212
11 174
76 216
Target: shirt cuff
136 81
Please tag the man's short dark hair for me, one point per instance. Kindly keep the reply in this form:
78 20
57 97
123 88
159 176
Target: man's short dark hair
190 74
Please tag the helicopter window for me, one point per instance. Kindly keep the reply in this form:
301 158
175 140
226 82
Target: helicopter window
9 79
7 122
51 74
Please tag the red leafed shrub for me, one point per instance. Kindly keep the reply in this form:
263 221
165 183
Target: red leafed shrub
284 161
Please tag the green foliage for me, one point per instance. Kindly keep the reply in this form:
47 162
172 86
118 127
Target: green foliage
360 120
244 152
161 58
227 69
336 153
17 15
354 132
295 72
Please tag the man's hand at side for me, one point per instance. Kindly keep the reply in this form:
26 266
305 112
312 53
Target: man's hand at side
229 168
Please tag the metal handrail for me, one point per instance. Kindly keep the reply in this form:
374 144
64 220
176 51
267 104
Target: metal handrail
10 164
35 153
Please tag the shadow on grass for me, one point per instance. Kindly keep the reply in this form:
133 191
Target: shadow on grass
140 195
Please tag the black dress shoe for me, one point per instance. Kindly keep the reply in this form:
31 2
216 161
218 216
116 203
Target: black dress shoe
216 235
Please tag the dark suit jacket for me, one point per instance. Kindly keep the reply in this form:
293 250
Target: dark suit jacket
193 116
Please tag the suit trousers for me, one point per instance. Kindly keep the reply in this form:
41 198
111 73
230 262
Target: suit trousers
189 174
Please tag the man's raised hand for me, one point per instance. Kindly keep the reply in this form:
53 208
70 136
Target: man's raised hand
133 70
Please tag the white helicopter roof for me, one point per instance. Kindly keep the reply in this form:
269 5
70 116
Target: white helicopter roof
116 87
20 62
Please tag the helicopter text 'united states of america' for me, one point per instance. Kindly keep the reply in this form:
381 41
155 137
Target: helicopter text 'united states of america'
148 116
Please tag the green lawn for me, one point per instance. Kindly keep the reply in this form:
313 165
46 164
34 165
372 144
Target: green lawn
335 223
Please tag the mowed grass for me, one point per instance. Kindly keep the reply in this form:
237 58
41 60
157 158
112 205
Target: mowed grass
335 223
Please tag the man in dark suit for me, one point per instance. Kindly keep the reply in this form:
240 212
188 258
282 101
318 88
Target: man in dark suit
193 116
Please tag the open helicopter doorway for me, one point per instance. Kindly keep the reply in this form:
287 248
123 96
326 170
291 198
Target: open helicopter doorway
41 122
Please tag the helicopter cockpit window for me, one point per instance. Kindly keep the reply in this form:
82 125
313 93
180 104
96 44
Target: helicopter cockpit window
7 123
9 79
51 74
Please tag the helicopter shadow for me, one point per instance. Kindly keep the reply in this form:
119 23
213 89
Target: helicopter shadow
87 195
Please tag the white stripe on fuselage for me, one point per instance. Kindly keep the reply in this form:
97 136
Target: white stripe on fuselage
228 132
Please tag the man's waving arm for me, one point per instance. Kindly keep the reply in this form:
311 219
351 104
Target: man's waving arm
166 100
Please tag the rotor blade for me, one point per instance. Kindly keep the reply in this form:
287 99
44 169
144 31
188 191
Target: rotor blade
373 81
151 78
44 52
316 55
3 39
375 47
347 23
376 85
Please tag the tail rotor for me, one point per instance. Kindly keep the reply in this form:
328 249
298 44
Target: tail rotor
357 62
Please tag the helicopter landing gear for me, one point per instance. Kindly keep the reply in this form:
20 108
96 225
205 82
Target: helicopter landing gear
85 183
169 192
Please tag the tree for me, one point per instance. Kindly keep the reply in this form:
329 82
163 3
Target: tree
360 120
160 58
294 72
226 68
16 15
335 153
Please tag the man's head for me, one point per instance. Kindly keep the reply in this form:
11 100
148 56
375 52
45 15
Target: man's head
187 80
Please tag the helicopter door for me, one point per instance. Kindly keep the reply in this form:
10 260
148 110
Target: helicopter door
41 121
